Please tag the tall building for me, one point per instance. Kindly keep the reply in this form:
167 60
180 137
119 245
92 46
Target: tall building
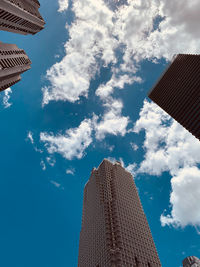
20 16
178 92
115 231
13 62
191 261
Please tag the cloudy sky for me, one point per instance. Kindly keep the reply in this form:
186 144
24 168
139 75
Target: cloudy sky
85 99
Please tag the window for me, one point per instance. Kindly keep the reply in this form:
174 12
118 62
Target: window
137 262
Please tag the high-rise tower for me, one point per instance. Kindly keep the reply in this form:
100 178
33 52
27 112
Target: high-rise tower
13 62
20 16
115 231
191 261
178 92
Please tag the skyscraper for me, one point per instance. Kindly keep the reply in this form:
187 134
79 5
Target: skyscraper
115 231
191 261
13 62
178 92
20 16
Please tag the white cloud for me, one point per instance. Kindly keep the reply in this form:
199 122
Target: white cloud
75 141
72 144
167 144
51 161
132 168
98 31
6 98
169 147
56 184
90 45
185 199
42 164
133 26
105 90
134 146
63 5
70 171
30 137
178 30
112 122
111 148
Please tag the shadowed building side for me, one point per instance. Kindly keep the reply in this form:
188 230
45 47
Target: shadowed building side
178 92
21 16
115 231
13 62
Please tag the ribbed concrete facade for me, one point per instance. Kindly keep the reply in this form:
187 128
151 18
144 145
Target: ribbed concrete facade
13 62
20 16
178 92
191 261
114 231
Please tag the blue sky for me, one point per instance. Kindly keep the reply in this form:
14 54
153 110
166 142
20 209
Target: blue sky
85 99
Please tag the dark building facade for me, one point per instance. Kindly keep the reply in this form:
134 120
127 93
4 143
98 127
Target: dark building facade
20 16
191 261
115 231
13 62
178 92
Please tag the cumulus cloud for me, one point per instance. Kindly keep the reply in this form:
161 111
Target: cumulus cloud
169 147
116 81
185 199
178 32
6 98
112 122
90 45
63 5
157 29
139 30
75 141
72 144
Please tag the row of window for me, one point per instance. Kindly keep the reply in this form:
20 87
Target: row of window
8 85
5 25
27 7
13 62
12 52
19 21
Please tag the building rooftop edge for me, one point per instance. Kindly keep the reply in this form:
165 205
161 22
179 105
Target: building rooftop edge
94 169
105 159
